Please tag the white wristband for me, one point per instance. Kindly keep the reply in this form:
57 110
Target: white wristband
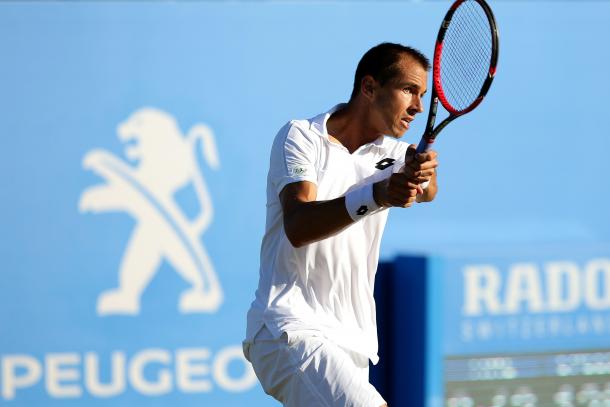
360 202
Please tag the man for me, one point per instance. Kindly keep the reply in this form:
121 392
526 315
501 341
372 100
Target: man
311 329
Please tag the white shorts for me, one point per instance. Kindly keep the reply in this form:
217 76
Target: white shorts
302 370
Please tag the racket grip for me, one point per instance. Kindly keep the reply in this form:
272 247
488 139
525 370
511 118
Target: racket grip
424 145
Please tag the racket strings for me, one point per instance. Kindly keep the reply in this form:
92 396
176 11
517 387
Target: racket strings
465 60
466 40
466 55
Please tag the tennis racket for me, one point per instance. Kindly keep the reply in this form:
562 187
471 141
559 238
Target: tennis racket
464 65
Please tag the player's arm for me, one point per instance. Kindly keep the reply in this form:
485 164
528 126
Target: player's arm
307 220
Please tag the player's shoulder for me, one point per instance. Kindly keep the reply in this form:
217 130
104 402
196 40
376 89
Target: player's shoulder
298 130
301 125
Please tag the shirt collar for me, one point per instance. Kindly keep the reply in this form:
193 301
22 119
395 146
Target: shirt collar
318 124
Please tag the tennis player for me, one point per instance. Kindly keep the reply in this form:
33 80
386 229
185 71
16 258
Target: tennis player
311 329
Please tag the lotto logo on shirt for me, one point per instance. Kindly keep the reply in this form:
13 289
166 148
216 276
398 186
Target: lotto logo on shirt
385 163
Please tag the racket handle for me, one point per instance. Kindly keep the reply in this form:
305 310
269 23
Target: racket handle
424 144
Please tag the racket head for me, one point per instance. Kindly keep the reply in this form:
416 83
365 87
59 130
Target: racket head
465 56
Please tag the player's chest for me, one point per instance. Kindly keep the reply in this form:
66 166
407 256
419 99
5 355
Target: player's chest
338 170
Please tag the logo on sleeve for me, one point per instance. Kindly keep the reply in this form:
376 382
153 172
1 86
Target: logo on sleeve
385 163
298 171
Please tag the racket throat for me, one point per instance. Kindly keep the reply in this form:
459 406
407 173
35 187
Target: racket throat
431 115
429 134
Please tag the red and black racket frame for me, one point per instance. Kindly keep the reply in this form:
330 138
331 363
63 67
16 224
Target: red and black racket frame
437 91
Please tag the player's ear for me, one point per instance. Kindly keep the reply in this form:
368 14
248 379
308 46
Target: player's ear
367 86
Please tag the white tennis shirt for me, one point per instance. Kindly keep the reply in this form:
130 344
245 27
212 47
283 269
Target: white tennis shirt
326 287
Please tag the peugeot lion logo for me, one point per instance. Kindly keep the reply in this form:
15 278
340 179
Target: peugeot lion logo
160 161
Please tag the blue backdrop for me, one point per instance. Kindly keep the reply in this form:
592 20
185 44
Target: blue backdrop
135 141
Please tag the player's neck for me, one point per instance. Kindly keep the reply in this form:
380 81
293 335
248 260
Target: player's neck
350 127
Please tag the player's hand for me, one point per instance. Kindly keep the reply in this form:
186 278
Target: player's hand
420 168
398 190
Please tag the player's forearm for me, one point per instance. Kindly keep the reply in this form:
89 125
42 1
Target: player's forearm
309 222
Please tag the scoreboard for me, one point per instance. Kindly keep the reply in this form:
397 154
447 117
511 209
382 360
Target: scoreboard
563 379
516 327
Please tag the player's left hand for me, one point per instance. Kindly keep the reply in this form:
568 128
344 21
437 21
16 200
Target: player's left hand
420 168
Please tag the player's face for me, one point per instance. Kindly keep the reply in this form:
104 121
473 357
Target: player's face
396 103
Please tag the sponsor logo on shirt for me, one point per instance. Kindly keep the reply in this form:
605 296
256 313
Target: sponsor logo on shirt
385 163
298 171
362 210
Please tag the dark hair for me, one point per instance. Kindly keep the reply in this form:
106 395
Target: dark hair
381 62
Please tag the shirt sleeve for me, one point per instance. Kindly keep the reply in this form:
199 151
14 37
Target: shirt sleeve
293 157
